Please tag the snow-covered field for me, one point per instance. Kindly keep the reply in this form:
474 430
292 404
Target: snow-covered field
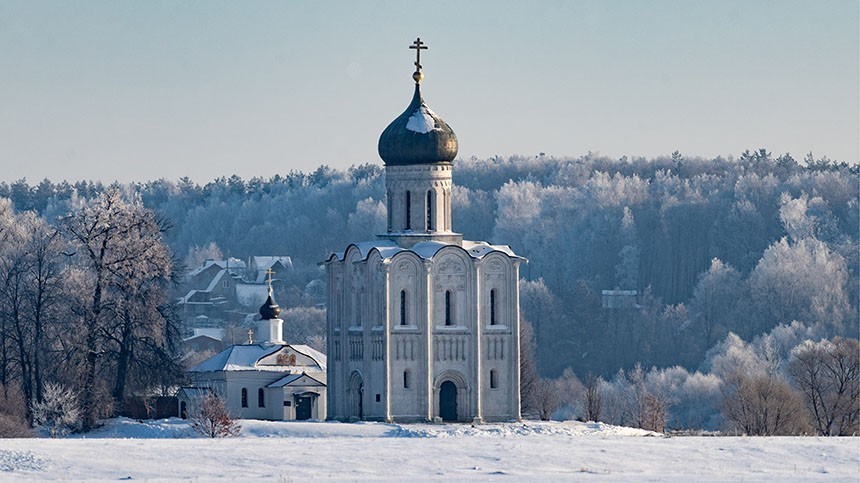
295 451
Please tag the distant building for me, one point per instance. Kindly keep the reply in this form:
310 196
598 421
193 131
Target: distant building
203 340
620 299
220 291
422 324
267 379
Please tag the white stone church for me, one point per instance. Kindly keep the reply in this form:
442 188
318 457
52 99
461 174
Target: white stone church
421 323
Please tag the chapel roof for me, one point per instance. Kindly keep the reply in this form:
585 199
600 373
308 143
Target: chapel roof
245 357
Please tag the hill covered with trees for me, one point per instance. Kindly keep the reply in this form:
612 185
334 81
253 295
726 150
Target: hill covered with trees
764 248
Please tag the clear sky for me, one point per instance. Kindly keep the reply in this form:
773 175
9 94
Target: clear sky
138 90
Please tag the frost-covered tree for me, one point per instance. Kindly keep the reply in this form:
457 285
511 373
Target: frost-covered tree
715 300
124 268
58 413
803 280
197 255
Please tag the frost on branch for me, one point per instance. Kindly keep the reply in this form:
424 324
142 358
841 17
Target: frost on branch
58 413
212 419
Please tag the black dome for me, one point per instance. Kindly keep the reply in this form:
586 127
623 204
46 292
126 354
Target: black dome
418 136
270 309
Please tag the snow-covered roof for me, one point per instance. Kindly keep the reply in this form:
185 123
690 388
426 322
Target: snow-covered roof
249 357
215 281
231 263
263 263
299 380
426 250
209 332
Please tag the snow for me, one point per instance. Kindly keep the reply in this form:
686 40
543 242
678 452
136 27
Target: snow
245 357
167 450
426 250
421 121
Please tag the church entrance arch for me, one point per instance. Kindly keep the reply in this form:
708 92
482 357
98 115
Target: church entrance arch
356 395
451 397
448 401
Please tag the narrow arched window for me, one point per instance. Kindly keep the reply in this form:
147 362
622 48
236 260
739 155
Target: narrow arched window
493 307
403 307
261 398
429 210
406 380
447 307
408 210
494 379
390 198
244 397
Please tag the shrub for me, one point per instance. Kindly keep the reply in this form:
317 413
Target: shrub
59 412
212 419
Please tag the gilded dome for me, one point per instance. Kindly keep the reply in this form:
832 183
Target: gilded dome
418 136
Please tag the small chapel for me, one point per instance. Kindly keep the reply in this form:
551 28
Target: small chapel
421 324
263 379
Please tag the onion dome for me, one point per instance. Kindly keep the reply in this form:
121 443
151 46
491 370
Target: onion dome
419 135
270 309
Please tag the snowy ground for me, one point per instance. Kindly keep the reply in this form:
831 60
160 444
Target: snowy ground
295 451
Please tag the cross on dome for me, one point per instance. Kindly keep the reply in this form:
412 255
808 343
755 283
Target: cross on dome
418 45
269 272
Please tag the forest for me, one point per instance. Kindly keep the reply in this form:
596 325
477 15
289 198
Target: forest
656 289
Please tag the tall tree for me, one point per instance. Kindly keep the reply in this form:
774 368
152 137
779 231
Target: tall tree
127 266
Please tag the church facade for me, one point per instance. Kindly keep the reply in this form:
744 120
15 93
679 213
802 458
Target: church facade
422 324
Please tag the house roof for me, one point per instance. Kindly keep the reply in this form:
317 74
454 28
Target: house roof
247 357
212 333
232 263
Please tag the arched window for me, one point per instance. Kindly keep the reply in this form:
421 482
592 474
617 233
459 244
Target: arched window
407 383
388 195
261 398
494 379
448 307
429 210
408 210
493 307
403 307
244 397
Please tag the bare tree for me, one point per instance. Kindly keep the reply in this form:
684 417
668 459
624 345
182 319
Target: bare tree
211 418
546 398
529 377
828 375
763 405
593 398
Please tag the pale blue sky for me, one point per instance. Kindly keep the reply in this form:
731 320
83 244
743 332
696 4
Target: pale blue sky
148 89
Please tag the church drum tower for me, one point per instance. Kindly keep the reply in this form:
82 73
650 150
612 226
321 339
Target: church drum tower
422 324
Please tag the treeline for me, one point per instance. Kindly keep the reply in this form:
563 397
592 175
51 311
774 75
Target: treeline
711 247
85 317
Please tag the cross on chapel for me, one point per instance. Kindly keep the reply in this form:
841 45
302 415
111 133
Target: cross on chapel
269 272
